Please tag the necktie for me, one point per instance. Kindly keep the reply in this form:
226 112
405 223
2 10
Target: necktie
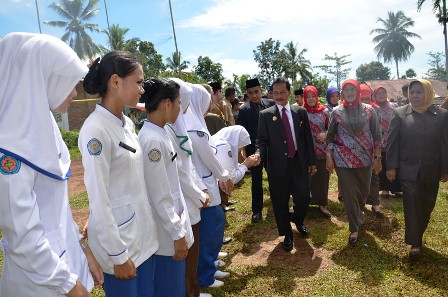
288 133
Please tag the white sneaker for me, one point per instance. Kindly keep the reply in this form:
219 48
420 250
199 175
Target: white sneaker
216 284
204 295
219 263
222 255
221 274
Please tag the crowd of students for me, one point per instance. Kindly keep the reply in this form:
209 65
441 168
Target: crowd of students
156 222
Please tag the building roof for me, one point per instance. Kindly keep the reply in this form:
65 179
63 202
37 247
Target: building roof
393 88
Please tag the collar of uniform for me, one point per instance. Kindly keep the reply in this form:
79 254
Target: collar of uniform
280 107
155 127
104 111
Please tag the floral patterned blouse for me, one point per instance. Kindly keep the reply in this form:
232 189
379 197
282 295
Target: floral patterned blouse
353 134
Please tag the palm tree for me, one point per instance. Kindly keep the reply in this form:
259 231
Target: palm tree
439 8
116 38
297 64
174 63
77 14
392 40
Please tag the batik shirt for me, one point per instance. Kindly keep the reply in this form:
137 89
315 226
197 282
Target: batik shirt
319 123
385 113
353 148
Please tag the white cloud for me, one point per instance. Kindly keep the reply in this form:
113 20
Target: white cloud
234 66
323 27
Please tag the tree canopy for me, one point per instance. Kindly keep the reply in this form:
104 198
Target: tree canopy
372 71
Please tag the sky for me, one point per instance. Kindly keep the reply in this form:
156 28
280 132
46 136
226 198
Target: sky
228 31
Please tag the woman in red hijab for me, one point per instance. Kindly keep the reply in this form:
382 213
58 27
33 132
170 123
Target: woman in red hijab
319 118
354 147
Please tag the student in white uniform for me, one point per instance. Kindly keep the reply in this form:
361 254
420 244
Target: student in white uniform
209 169
162 104
228 142
41 241
192 187
122 231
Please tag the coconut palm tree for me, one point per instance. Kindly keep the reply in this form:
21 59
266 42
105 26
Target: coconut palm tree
439 8
297 64
392 40
77 14
116 37
175 64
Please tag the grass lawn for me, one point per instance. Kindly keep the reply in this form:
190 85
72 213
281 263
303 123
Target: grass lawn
323 264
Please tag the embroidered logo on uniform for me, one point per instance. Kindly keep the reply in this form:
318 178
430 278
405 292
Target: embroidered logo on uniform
154 155
274 118
9 165
201 133
230 154
94 147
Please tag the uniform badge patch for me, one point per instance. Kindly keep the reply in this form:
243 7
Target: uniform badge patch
9 165
154 155
94 147
200 133
230 154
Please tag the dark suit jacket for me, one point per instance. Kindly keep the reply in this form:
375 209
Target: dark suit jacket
418 143
271 140
248 118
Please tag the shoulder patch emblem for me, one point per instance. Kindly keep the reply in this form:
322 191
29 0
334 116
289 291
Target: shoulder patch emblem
94 147
154 155
9 165
230 154
200 133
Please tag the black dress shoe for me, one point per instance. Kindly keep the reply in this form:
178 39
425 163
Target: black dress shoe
352 240
288 244
303 230
378 213
226 239
231 202
326 214
256 217
228 208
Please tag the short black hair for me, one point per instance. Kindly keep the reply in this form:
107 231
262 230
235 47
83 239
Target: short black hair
158 89
115 62
405 88
229 91
282 80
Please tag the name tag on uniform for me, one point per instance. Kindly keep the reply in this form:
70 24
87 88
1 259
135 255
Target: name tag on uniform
127 147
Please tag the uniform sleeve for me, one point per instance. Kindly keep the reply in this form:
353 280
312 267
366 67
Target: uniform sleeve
393 143
27 245
225 157
95 146
205 152
190 189
159 189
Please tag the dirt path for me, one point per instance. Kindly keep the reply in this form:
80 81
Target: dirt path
76 180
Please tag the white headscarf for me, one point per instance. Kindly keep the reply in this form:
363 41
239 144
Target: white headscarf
38 73
199 103
179 128
236 136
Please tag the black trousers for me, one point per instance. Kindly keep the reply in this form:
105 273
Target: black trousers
257 188
419 200
294 182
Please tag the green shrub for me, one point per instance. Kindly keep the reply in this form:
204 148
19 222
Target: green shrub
70 138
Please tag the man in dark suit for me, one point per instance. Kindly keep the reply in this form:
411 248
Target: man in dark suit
284 140
248 118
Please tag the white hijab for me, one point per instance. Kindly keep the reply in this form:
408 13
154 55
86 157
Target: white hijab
38 73
179 128
199 104
236 136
